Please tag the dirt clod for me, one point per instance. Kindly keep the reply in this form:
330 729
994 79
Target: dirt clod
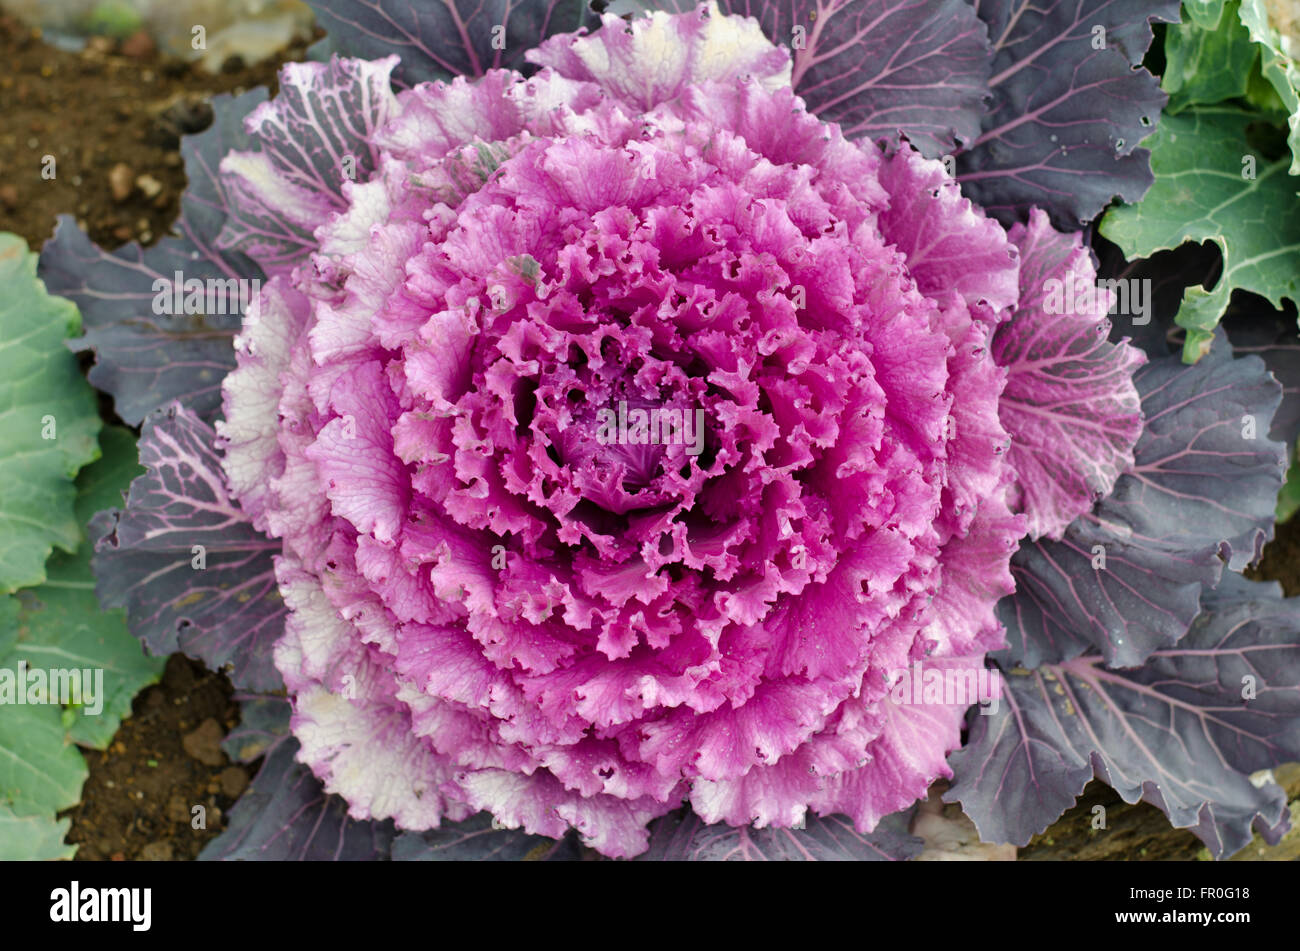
234 780
149 186
178 810
156 852
121 182
138 45
204 743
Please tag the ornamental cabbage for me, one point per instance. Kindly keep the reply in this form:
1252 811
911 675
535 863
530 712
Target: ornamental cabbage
629 432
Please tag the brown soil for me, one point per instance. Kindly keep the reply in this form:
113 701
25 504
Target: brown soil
94 111
140 799
1132 833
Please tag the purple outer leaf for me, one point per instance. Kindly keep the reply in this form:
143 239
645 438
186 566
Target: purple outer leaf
440 39
285 815
229 612
1146 596
682 837
474 840
205 204
1201 468
1176 732
142 358
311 139
1198 489
1066 116
263 722
879 67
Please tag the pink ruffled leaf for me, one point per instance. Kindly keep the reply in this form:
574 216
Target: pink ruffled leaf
950 245
654 59
1069 403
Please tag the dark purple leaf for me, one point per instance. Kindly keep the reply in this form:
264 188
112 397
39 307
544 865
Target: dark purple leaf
1070 104
682 837
1253 324
1204 484
1182 732
143 358
440 39
878 67
475 840
178 515
285 815
1206 468
263 722
1145 596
